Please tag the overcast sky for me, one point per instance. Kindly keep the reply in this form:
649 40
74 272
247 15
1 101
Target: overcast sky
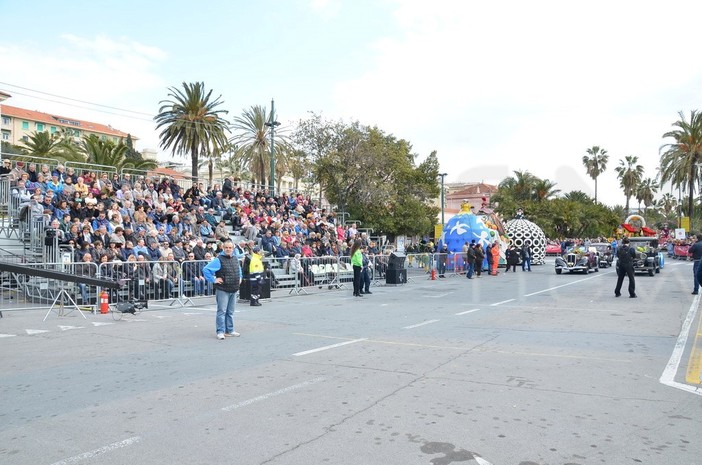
493 87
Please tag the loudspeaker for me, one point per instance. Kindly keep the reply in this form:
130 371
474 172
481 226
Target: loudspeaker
245 289
395 276
396 261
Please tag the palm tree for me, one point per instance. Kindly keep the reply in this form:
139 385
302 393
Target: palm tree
595 164
645 192
191 123
668 205
578 196
629 174
543 189
107 153
253 138
56 145
680 162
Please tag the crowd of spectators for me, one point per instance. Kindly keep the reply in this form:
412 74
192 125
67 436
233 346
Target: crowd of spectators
106 217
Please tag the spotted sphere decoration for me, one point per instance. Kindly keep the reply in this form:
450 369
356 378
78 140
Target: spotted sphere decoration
520 230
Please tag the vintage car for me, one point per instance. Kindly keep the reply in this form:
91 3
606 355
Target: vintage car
647 259
604 253
578 259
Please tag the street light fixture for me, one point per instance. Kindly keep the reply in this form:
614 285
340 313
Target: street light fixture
272 124
443 175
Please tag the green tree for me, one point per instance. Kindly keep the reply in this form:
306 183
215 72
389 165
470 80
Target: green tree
191 124
668 206
645 192
107 153
680 159
595 163
543 189
55 146
373 176
252 137
629 173
577 196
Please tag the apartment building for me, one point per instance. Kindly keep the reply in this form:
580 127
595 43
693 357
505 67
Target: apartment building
19 123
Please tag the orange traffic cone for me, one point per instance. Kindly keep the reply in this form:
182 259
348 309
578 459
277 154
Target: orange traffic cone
433 274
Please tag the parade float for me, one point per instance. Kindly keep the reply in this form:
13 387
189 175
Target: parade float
520 230
484 227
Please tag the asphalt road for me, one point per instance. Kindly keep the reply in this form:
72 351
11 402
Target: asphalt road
518 369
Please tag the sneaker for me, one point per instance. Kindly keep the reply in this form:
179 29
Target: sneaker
220 335
234 334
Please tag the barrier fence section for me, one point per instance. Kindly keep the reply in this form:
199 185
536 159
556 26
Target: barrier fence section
23 292
179 283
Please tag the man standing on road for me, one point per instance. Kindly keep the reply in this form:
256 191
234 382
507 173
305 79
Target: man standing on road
526 256
696 253
225 272
625 267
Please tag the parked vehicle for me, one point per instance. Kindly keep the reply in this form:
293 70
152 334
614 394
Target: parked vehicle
578 260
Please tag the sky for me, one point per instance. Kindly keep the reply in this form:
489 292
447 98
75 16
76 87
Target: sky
492 87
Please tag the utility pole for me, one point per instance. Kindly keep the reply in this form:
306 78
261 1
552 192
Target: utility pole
272 124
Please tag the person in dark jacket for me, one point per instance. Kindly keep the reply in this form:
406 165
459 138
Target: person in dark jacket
526 255
225 272
695 251
512 257
625 267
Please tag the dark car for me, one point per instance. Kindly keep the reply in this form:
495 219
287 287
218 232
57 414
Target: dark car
604 252
578 260
647 255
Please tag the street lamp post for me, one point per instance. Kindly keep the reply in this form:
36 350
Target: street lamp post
272 124
443 175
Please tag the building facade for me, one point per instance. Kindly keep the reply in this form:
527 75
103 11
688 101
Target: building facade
18 124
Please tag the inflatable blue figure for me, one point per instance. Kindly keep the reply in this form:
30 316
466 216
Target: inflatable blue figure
467 227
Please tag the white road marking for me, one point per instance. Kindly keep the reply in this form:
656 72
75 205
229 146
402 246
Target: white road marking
8 335
438 295
190 314
272 394
467 311
100 451
66 328
36 331
569 283
668 376
333 346
420 324
481 461
97 323
503 302
163 316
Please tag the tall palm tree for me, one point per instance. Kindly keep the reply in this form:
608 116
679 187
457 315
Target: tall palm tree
645 192
668 205
252 137
629 174
681 158
595 164
191 123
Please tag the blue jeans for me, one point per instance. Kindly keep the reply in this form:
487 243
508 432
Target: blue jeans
84 292
198 286
526 264
470 269
696 279
226 302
